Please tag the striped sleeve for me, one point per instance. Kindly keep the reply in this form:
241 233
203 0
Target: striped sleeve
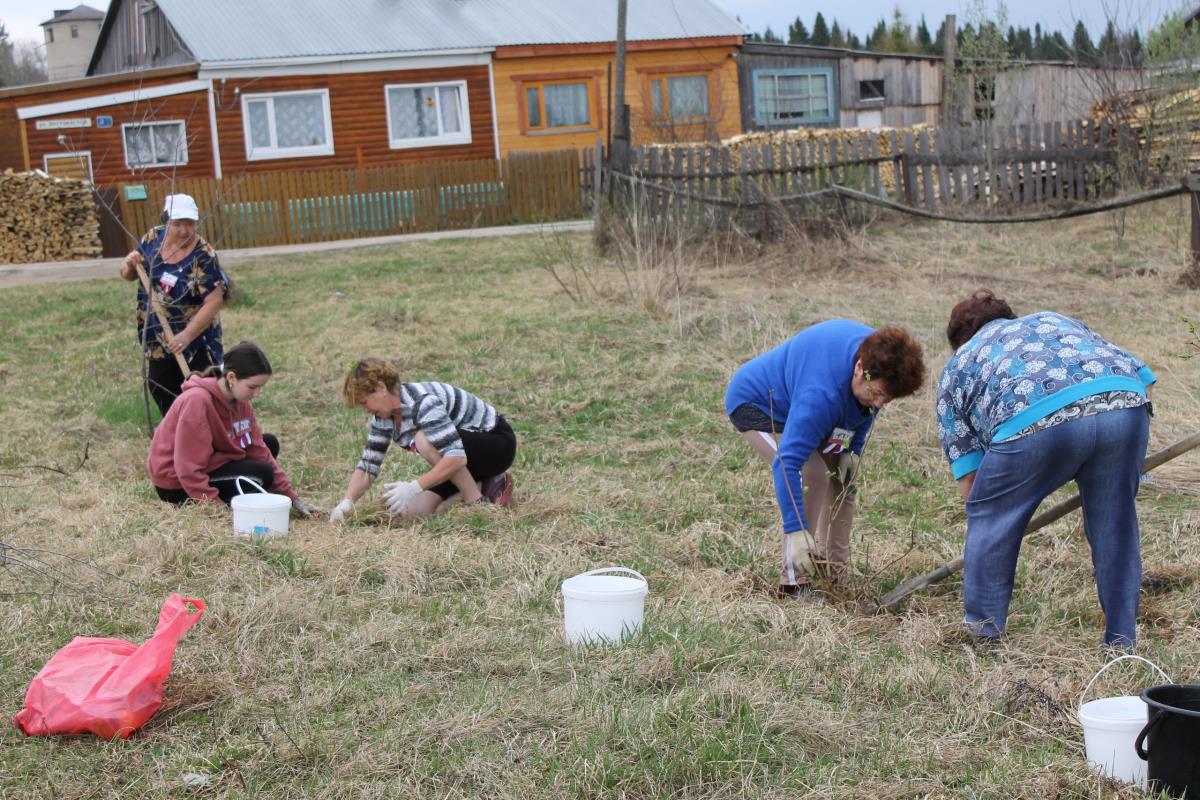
379 437
431 417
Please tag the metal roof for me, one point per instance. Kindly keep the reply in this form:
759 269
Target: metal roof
76 13
236 30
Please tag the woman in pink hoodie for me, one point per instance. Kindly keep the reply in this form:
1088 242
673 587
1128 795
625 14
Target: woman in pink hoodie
209 446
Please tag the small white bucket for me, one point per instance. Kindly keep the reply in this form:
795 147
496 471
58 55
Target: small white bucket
601 608
260 514
1110 727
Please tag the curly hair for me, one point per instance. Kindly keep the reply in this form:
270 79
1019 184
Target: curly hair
972 313
362 379
896 358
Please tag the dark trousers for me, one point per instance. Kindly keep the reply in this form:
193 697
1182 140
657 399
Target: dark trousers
237 477
488 454
166 380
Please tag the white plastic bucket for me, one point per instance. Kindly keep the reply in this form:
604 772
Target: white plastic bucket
261 514
1110 727
603 608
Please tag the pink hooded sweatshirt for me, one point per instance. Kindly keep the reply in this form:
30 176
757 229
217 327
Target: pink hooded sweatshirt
203 431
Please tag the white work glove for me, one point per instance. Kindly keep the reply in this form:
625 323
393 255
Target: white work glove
400 494
798 548
338 515
847 467
306 510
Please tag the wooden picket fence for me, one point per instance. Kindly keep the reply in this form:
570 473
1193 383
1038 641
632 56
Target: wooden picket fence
755 185
297 207
1015 165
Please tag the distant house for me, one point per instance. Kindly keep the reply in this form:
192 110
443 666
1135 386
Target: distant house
791 86
228 87
70 37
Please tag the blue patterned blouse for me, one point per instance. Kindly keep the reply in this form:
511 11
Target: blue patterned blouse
1014 372
181 288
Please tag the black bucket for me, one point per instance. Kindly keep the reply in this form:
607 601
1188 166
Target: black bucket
1172 754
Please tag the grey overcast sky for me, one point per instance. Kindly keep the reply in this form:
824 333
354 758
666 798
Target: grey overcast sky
23 17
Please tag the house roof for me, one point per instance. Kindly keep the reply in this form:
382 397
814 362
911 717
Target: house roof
79 12
234 30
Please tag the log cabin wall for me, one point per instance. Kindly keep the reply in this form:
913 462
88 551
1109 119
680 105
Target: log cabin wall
519 68
358 109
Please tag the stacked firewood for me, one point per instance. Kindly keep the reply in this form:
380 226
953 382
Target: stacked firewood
43 218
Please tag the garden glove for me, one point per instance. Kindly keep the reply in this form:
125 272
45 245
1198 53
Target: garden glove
338 515
847 467
306 510
798 548
400 494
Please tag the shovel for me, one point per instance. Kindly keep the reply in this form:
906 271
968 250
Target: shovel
163 321
893 598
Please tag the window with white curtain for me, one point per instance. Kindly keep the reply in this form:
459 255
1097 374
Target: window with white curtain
155 144
679 97
559 105
793 96
428 114
287 124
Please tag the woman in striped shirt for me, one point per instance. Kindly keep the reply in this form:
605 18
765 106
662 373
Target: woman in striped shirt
468 446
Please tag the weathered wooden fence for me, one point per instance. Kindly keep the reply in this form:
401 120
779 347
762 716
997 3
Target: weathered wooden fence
753 183
298 207
1014 165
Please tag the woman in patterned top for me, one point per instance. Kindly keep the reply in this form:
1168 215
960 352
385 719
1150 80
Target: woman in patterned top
190 286
468 446
1024 406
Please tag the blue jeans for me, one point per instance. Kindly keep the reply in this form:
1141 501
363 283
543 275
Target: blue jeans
1103 454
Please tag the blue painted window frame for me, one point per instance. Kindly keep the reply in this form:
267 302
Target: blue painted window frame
760 117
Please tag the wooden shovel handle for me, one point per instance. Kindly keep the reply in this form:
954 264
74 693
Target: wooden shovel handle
912 585
163 321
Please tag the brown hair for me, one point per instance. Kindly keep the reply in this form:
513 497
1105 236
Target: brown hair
896 358
244 359
364 375
972 313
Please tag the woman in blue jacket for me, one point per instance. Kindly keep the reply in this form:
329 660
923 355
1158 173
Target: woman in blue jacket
806 408
1025 405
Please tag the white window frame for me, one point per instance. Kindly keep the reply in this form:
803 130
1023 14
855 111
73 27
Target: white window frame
81 155
463 137
125 143
274 152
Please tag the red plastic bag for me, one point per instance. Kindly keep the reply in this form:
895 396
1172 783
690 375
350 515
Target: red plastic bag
108 687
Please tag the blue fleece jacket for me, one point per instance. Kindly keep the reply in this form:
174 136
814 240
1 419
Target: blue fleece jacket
805 384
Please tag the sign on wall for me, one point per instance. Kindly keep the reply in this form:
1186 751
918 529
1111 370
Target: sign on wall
58 124
103 122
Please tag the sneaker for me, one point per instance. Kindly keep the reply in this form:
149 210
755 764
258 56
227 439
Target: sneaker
498 489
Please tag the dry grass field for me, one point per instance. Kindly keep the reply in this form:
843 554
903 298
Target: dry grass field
427 660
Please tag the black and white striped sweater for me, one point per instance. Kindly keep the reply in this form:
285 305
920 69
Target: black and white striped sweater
439 410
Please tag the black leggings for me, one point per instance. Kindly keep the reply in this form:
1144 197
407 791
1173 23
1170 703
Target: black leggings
488 454
237 477
166 380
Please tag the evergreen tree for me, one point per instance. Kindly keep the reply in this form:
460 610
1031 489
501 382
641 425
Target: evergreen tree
797 32
1023 45
770 37
1082 48
939 39
1108 49
1055 47
853 42
900 38
1037 40
924 40
1010 39
878 39
820 32
836 38
1136 54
